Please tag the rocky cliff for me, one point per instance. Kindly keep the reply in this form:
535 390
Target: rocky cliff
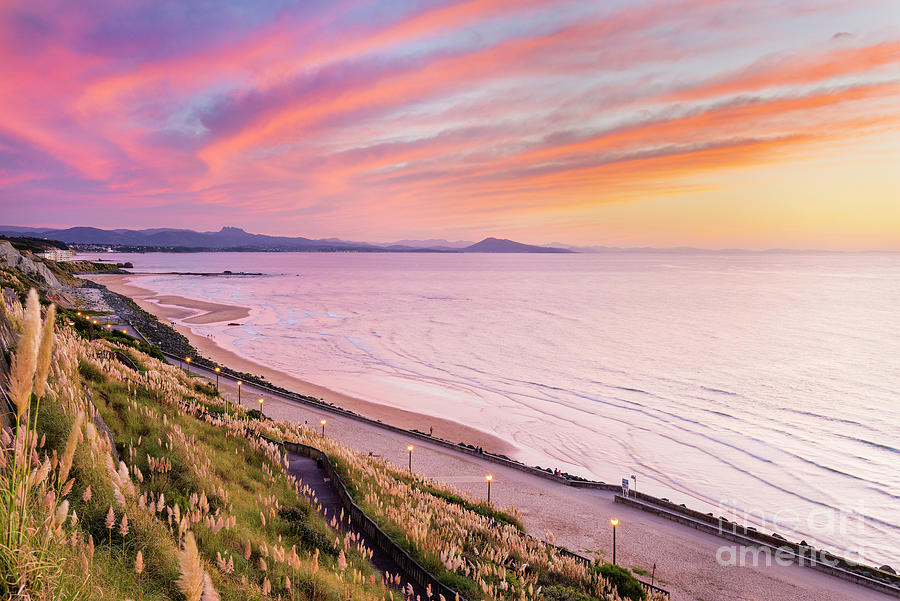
13 259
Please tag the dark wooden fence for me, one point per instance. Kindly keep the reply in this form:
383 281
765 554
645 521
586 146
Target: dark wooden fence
362 522
652 589
413 569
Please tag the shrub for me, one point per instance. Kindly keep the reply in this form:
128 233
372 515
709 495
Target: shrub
626 585
564 593
89 371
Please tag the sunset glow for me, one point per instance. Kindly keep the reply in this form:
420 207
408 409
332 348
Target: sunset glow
699 122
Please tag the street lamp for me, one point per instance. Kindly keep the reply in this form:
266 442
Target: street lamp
239 392
614 522
323 422
260 406
489 477
410 449
188 361
217 370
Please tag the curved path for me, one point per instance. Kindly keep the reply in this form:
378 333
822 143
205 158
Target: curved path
306 470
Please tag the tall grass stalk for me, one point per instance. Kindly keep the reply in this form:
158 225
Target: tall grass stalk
33 513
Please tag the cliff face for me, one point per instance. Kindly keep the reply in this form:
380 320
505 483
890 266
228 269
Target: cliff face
13 259
8 339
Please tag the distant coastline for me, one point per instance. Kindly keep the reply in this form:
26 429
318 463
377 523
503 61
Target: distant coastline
236 240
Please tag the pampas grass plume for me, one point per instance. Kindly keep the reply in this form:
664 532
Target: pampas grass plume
24 362
209 591
65 463
123 525
44 353
191 581
62 512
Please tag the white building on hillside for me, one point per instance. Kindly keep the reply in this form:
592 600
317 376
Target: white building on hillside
56 254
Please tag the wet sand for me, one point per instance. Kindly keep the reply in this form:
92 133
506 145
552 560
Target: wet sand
170 308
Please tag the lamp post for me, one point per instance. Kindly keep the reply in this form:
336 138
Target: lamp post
188 361
410 449
489 478
239 392
217 370
260 406
323 422
614 522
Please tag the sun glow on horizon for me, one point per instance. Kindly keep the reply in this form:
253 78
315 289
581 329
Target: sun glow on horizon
649 123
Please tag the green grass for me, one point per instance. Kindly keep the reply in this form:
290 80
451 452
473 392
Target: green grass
204 462
91 331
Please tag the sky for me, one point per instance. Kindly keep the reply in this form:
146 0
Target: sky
707 123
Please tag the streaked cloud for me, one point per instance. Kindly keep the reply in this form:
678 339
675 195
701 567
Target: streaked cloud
388 120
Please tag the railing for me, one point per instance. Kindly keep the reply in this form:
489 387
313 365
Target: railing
652 589
776 547
364 523
417 573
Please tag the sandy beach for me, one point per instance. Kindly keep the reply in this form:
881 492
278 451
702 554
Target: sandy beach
684 559
169 308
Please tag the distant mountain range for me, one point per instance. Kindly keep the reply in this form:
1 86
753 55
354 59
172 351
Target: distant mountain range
236 239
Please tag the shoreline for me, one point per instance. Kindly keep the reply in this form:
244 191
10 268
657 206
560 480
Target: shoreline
168 308
687 558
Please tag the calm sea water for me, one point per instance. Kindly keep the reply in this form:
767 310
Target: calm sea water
759 386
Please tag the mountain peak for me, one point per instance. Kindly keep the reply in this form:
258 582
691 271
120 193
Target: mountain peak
502 245
228 229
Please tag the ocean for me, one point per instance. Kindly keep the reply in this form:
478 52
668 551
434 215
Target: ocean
758 386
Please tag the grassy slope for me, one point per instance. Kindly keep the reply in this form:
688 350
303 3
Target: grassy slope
235 491
206 463
471 546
